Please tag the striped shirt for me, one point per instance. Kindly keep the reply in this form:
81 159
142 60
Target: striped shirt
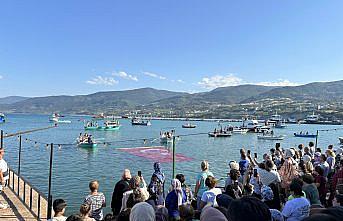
96 202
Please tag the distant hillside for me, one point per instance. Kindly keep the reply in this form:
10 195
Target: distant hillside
12 99
93 103
218 102
318 91
222 95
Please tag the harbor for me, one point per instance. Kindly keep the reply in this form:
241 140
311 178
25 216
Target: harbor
108 160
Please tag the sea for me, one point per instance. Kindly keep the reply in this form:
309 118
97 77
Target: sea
74 167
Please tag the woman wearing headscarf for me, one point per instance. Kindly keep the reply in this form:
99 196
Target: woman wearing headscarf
156 186
175 198
142 212
211 214
288 169
162 214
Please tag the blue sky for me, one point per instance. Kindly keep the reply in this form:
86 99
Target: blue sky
80 47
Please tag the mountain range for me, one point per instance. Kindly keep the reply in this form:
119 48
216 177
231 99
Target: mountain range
149 99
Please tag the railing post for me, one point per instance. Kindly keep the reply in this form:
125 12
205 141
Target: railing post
2 139
316 139
173 157
19 157
49 187
19 162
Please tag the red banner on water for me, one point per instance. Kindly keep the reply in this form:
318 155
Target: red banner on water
159 154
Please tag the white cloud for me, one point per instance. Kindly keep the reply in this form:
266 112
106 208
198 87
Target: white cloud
125 75
153 75
1 77
279 83
232 80
99 80
220 81
181 81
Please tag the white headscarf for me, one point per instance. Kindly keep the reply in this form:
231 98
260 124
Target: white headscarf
176 186
142 212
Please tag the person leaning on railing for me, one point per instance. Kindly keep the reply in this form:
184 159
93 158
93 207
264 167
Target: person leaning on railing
3 175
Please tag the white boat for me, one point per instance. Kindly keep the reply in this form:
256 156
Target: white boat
313 118
340 140
55 118
238 130
249 124
140 122
276 117
270 137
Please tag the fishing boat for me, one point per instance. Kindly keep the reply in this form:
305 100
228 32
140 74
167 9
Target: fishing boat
219 134
140 122
86 141
340 140
249 124
55 118
91 125
2 118
306 135
238 130
87 145
189 125
110 125
280 124
270 137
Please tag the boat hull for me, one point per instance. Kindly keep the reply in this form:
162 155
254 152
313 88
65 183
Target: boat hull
87 145
141 124
109 128
270 137
91 128
219 134
305 135
188 126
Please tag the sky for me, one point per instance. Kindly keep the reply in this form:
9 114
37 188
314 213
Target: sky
74 47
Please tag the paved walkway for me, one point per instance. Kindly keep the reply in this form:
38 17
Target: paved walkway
16 210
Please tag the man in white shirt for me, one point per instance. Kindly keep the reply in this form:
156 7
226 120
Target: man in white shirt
3 175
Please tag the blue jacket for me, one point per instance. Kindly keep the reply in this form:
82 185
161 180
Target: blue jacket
171 203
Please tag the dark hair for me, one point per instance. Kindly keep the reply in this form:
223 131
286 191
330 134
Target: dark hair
336 211
58 205
320 217
109 217
124 215
229 190
311 144
319 170
180 177
296 188
74 218
134 198
323 157
307 178
318 150
186 212
341 162
300 146
84 209
210 182
330 146
269 165
234 174
272 150
248 208
223 210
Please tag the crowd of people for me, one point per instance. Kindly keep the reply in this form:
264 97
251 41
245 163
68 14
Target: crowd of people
299 183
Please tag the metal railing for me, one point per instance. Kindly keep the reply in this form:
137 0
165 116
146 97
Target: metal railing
34 200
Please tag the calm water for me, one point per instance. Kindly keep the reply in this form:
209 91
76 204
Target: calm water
75 167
